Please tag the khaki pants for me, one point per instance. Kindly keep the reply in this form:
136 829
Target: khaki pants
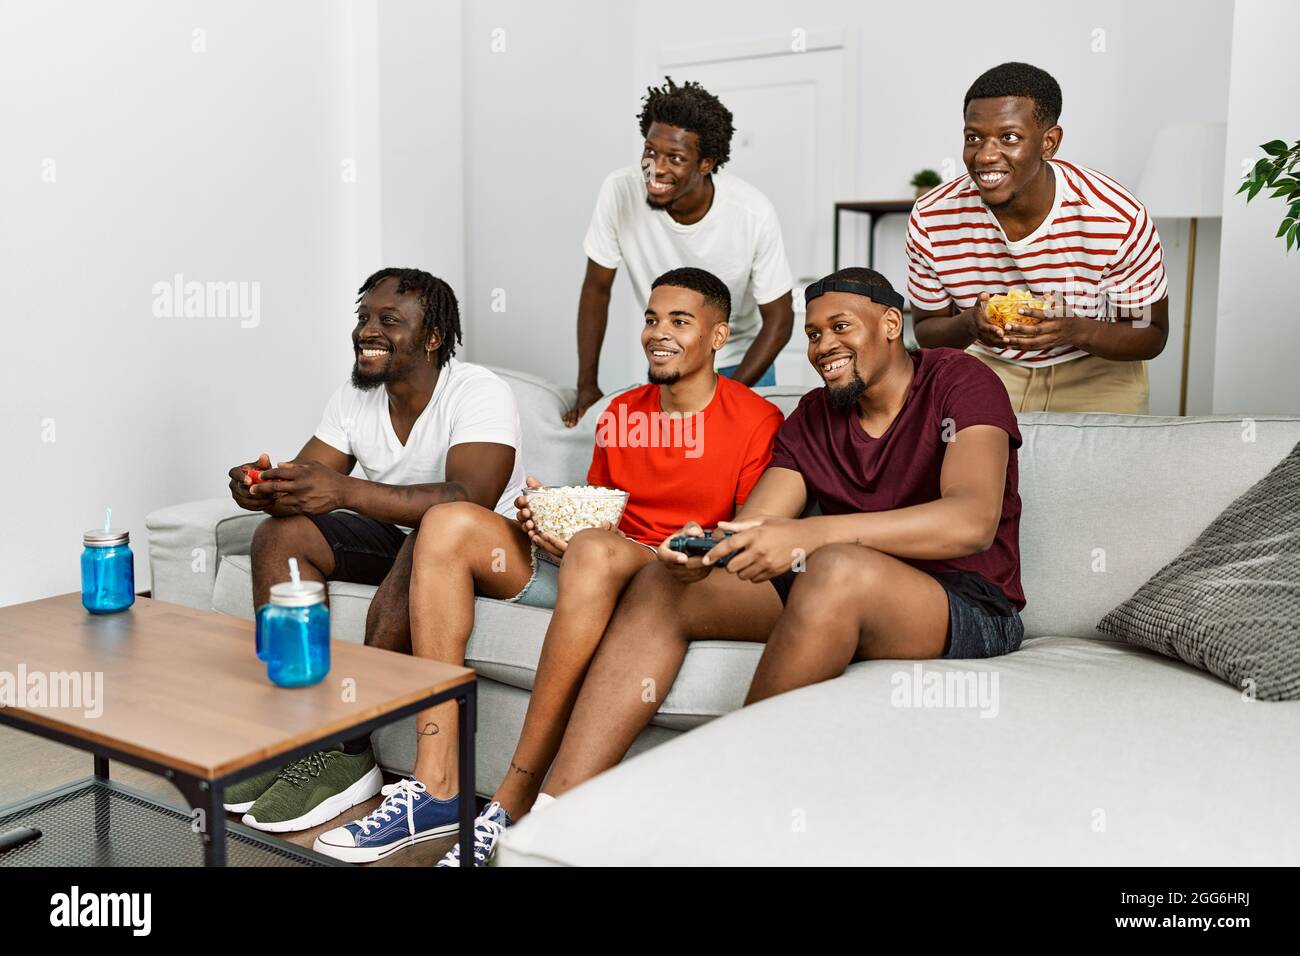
1088 384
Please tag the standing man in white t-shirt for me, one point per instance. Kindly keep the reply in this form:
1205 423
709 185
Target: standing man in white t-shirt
670 212
438 430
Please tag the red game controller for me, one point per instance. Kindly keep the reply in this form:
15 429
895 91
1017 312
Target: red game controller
254 475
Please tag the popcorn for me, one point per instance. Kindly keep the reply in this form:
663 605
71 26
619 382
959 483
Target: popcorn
567 510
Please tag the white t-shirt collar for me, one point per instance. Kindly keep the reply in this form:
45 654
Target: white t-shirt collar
1043 227
699 223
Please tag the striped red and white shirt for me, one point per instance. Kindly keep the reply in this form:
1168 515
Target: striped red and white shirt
1097 248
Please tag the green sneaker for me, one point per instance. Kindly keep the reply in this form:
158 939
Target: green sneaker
241 796
315 789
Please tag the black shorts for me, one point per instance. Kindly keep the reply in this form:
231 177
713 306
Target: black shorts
980 621
364 549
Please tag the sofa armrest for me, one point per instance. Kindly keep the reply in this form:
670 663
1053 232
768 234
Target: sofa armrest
187 543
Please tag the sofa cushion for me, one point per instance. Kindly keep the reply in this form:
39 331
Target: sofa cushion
1108 500
552 452
186 542
1230 603
1093 752
507 642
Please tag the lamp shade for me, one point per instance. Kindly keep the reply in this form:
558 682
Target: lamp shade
1183 177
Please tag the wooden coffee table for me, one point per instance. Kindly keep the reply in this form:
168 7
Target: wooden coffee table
184 696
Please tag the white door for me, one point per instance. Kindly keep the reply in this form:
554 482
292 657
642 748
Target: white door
796 134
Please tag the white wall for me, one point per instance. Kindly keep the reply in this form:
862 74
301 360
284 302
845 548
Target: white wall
421 105
1259 283
220 165
546 119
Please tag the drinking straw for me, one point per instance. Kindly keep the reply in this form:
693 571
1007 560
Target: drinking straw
293 573
108 518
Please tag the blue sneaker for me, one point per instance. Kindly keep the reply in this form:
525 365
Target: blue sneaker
488 827
407 816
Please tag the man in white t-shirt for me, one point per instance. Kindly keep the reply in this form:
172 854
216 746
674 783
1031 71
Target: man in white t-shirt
672 211
438 430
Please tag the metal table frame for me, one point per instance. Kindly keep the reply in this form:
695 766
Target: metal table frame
207 795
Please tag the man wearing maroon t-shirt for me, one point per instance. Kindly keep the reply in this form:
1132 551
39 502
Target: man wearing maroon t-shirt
911 458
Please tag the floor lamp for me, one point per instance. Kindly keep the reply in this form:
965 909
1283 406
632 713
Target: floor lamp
1183 179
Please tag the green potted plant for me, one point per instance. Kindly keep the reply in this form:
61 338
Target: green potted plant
1277 171
925 180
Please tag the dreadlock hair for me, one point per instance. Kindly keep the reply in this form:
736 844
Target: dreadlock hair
714 290
441 313
693 108
1020 79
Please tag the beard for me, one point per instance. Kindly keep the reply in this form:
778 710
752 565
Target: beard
366 381
846 395
663 378
392 371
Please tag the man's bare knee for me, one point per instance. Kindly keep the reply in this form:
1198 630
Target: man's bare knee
841 569
272 533
290 533
448 530
450 519
279 538
597 544
592 556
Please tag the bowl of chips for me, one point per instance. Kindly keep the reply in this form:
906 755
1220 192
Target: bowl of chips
1001 309
567 510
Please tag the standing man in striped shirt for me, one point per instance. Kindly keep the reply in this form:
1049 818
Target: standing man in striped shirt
1021 219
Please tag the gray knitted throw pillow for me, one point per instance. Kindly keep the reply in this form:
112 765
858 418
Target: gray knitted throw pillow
1230 603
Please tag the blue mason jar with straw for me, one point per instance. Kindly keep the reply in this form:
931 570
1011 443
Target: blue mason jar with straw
107 569
293 632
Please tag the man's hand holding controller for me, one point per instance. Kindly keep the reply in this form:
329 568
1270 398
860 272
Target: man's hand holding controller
683 553
243 478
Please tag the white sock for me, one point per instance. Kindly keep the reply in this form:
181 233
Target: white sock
543 801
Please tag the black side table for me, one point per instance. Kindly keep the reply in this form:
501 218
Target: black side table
874 210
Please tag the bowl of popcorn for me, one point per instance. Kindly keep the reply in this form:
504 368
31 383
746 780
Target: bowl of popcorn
566 510
1001 309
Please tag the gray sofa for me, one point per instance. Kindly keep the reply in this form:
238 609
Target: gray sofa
1082 750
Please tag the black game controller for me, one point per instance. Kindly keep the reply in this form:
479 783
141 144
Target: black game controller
698 547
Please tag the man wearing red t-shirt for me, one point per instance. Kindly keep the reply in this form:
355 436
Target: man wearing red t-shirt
911 458
691 444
